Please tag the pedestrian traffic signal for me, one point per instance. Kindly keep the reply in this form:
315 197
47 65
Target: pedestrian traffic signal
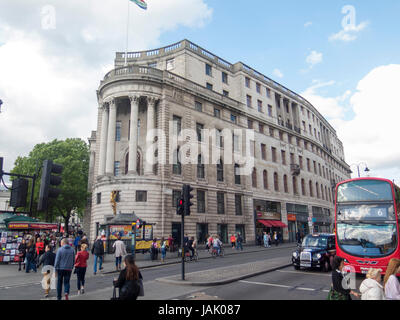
179 206
186 190
19 191
47 181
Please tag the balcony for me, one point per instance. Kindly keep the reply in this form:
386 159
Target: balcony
295 169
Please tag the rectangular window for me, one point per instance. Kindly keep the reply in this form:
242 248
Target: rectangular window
234 118
209 86
259 105
177 123
269 110
247 82
198 106
208 70
268 92
225 93
283 154
248 101
224 77
176 194
280 135
219 139
261 128
238 205
199 129
98 198
141 196
153 65
271 132
263 151
308 165
258 87
217 113
220 203
273 152
250 124
236 143
116 168
118 131
301 162
201 201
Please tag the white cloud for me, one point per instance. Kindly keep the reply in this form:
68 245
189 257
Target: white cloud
278 73
371 136
314 58
308 24
349 33
49 77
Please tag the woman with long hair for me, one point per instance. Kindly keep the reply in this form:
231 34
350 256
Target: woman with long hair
80 266
31 256
391 283
128 280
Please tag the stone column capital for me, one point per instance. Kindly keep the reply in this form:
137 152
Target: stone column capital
152 100
134 99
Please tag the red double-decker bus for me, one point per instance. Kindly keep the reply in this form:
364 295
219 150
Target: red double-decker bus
367 223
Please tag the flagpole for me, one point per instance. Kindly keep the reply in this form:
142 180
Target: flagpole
127 37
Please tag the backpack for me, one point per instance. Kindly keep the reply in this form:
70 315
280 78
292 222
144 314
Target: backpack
130 290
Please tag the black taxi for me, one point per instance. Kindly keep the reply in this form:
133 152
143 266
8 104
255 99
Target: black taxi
316 251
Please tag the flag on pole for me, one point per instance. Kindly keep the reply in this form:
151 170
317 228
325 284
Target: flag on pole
140 3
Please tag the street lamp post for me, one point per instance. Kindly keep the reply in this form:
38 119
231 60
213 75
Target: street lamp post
358 167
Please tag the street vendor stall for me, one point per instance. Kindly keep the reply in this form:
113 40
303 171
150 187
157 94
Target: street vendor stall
121 225
16 227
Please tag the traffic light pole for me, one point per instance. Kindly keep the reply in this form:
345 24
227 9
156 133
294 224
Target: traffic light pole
183 246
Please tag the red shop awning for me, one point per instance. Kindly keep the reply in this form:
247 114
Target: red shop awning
279 224
266 223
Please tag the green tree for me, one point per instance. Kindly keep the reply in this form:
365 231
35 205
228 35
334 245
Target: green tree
73 155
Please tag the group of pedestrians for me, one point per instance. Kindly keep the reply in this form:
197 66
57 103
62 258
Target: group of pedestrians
236 241
267 239
372 288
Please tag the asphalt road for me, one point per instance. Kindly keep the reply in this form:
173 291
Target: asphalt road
283 284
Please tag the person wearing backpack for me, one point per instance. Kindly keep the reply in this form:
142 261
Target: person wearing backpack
129 280
98 252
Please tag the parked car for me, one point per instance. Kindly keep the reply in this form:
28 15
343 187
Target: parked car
316 251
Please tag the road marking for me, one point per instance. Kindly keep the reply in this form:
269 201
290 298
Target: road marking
308 273
19 285
282 286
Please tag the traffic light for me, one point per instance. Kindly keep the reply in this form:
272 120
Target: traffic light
187 189
47 181
19 191
179 206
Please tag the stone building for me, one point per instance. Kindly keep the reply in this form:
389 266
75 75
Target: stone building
185 91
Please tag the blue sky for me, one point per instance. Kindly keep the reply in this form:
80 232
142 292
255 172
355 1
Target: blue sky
271 34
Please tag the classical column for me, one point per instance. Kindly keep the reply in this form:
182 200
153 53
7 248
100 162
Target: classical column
111 138
133 138
103 140
151 102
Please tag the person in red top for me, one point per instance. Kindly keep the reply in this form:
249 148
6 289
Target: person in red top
39 249
80 267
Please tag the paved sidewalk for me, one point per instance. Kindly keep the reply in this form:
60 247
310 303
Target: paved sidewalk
225 275
9 275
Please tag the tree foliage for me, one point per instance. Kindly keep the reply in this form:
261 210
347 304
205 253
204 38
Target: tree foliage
73 155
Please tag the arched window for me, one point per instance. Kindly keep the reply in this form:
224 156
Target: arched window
276 182
322 192
265 179
285 184
138 165
311 189
254 178
220 170
317 188
200 167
